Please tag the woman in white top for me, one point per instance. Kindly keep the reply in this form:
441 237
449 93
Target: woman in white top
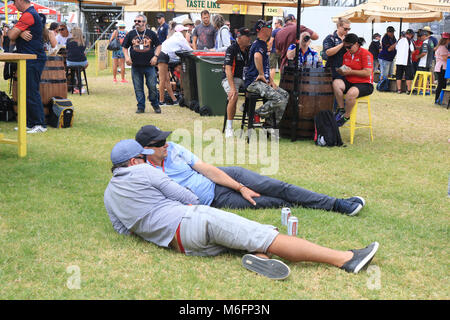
223 38
176 42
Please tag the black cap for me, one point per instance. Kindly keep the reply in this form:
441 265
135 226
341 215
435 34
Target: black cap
243 32
151 133
390 29
289 17
262 24
160 15
410 31
375 35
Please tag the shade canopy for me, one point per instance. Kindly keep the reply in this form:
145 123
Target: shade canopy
388 11
274 3
39 8
432 5
103 2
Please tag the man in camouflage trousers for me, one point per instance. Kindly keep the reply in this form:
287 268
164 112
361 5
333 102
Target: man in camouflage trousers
257 75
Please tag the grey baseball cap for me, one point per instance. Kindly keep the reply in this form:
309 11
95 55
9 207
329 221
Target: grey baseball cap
124 150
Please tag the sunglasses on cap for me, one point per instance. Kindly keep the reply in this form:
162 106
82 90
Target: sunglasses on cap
157 144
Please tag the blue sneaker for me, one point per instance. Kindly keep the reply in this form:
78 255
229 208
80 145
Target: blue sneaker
347 207
339 113
341 120
357 199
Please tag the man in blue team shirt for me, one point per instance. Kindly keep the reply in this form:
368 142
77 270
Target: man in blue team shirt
27 33
232 187
257 75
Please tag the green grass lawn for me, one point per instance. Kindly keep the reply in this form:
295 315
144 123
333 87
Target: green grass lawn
52 216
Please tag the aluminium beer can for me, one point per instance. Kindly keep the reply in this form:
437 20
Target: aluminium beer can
285 214
292 226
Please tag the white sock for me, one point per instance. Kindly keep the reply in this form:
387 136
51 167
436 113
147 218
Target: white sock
229 124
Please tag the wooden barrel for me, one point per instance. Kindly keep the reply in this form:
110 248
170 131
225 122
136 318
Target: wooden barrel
53 81
315 94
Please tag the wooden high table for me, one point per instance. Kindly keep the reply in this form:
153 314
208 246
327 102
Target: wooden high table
21 60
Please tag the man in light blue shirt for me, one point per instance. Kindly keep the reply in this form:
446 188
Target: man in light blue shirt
143 200
232 187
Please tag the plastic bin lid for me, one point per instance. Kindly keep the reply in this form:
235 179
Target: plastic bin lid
209 54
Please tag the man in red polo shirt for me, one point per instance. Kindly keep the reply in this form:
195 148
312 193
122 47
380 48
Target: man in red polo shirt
287 36
358 72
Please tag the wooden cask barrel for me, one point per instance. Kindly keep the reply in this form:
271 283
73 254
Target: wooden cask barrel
53 81
315 94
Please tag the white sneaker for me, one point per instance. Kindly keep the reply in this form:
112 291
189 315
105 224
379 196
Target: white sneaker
229 133
37 129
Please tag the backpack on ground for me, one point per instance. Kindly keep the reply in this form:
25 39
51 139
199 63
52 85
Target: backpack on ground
6 108
326 130
383 85
61 113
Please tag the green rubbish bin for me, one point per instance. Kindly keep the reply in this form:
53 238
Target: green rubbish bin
211 96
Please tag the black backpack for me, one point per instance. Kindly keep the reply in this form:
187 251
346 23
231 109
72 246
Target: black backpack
383 85
326 130
6 108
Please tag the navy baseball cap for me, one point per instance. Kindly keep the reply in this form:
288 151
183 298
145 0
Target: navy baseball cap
262 24
124 150
243 32
151 133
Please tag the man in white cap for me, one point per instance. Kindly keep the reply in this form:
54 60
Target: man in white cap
144 201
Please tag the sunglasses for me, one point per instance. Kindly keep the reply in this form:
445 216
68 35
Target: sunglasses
157 144
347 29
61 29
348 47
138 21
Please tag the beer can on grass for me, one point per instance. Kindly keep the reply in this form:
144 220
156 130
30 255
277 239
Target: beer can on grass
292 226
285 214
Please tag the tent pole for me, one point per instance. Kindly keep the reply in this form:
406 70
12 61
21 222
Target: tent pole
263 10
400 32
296 75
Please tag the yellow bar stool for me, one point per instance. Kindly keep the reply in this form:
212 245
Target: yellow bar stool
353 125
422 78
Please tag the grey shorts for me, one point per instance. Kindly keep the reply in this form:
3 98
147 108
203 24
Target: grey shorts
207 231
238 83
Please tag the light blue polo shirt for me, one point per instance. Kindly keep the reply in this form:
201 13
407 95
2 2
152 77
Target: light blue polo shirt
178 166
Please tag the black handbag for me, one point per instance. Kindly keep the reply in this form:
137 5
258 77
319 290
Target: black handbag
114 45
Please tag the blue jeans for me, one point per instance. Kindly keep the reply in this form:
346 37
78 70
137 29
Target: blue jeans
35 109
386 68
274 193
138 74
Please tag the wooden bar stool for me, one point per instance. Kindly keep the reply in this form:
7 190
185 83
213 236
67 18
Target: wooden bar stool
423 77
353 125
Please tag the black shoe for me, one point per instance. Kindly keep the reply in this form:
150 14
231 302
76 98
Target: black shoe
157 109
271 268
139 111
361 258
347 207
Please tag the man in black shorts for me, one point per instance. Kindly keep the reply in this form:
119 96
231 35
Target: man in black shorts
236 58
357 69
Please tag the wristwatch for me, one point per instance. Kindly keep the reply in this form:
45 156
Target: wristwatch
240 187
